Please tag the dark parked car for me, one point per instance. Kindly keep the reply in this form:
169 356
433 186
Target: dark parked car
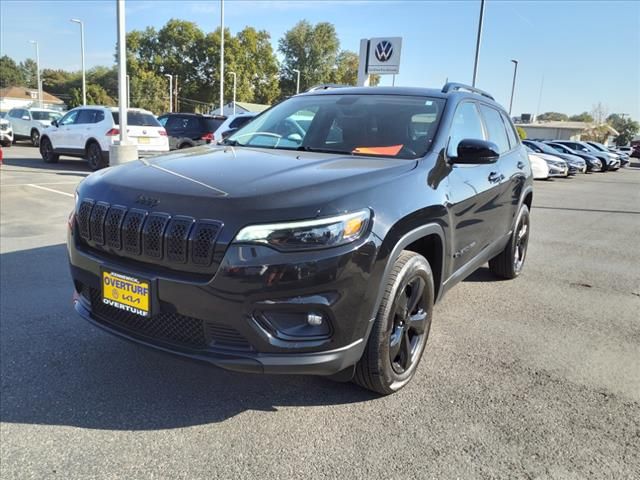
593 163
575 164
624 158
187 130
316 253
609 160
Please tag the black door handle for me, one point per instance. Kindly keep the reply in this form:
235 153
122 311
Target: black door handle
520 165
495 177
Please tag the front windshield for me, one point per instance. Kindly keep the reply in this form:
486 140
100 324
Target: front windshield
379 125
557 148
546 148
597 146
45 115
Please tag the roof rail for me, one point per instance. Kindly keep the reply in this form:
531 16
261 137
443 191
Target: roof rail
451 86
325 86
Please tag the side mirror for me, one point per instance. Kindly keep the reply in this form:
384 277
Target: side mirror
471 150
54 123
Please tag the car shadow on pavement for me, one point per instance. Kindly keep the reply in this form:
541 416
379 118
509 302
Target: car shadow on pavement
36 162
57 369
483 274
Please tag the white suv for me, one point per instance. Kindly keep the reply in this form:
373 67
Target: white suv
30 122
89 131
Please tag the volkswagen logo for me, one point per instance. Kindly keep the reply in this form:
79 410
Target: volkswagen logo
384 50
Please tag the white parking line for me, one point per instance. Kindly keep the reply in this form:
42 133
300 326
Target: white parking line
31 184
49 189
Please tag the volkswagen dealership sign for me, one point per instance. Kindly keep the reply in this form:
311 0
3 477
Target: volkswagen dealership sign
384 56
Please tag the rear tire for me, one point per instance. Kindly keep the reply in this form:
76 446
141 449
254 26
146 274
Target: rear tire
509 263
401 329
47 152
35 137
95 158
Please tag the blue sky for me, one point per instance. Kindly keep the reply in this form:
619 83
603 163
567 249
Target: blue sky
587 51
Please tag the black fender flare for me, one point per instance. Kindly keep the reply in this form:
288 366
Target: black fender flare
406 240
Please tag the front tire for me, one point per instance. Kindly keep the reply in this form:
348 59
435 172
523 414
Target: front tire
47 152
35 137
401 327
509 263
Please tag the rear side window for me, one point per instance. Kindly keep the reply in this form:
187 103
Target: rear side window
137 119
511 133
466 124
495 128
212 124
86 116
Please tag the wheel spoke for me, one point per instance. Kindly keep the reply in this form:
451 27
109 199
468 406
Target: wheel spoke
417 291
402 305
417 322
406 351
395 343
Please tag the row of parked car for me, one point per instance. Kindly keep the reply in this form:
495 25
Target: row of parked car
89 131
561 158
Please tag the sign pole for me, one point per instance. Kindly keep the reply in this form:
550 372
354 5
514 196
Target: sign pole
363 78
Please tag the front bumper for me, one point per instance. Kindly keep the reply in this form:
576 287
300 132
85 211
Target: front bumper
6 136
233 307
555 171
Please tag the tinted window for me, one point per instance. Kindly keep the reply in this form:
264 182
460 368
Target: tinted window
137 119
240 122
69 118
212 124
466 124
45 115
495 128
14 113
511 131
371 124
192 124
86 116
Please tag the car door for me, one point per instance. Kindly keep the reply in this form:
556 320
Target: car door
509 167
60 137
20 120
80 131
516 168
473 190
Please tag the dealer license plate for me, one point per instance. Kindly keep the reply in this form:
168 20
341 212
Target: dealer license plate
126 293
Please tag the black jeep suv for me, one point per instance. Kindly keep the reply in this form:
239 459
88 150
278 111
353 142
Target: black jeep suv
315 241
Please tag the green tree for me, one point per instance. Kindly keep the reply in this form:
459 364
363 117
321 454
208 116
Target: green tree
627 128
10 73
553 116
311 49
149 91
96 95
521 133
29 69
256 66
582 117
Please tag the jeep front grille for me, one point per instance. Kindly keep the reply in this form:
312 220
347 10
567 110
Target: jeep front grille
153 237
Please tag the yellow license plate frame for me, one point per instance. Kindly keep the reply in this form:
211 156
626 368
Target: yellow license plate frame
144 140
126 293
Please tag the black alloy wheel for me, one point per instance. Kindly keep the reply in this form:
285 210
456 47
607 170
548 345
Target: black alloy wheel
35 137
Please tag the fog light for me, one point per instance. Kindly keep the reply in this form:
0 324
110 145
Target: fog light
314 319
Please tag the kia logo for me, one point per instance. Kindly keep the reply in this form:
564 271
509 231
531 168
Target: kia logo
384 50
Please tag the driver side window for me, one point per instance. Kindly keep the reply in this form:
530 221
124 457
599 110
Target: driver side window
69 118
466 124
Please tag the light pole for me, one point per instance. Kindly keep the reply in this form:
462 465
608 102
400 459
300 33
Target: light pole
477 59
513 86
38 72
234 91
170 77
128 91
84 82
297 80
221 57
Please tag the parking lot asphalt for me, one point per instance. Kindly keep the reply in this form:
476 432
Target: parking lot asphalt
533 378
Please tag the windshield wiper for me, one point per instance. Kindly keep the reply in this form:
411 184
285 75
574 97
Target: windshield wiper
231 143
306 148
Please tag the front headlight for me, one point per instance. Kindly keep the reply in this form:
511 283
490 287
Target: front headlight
308 234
